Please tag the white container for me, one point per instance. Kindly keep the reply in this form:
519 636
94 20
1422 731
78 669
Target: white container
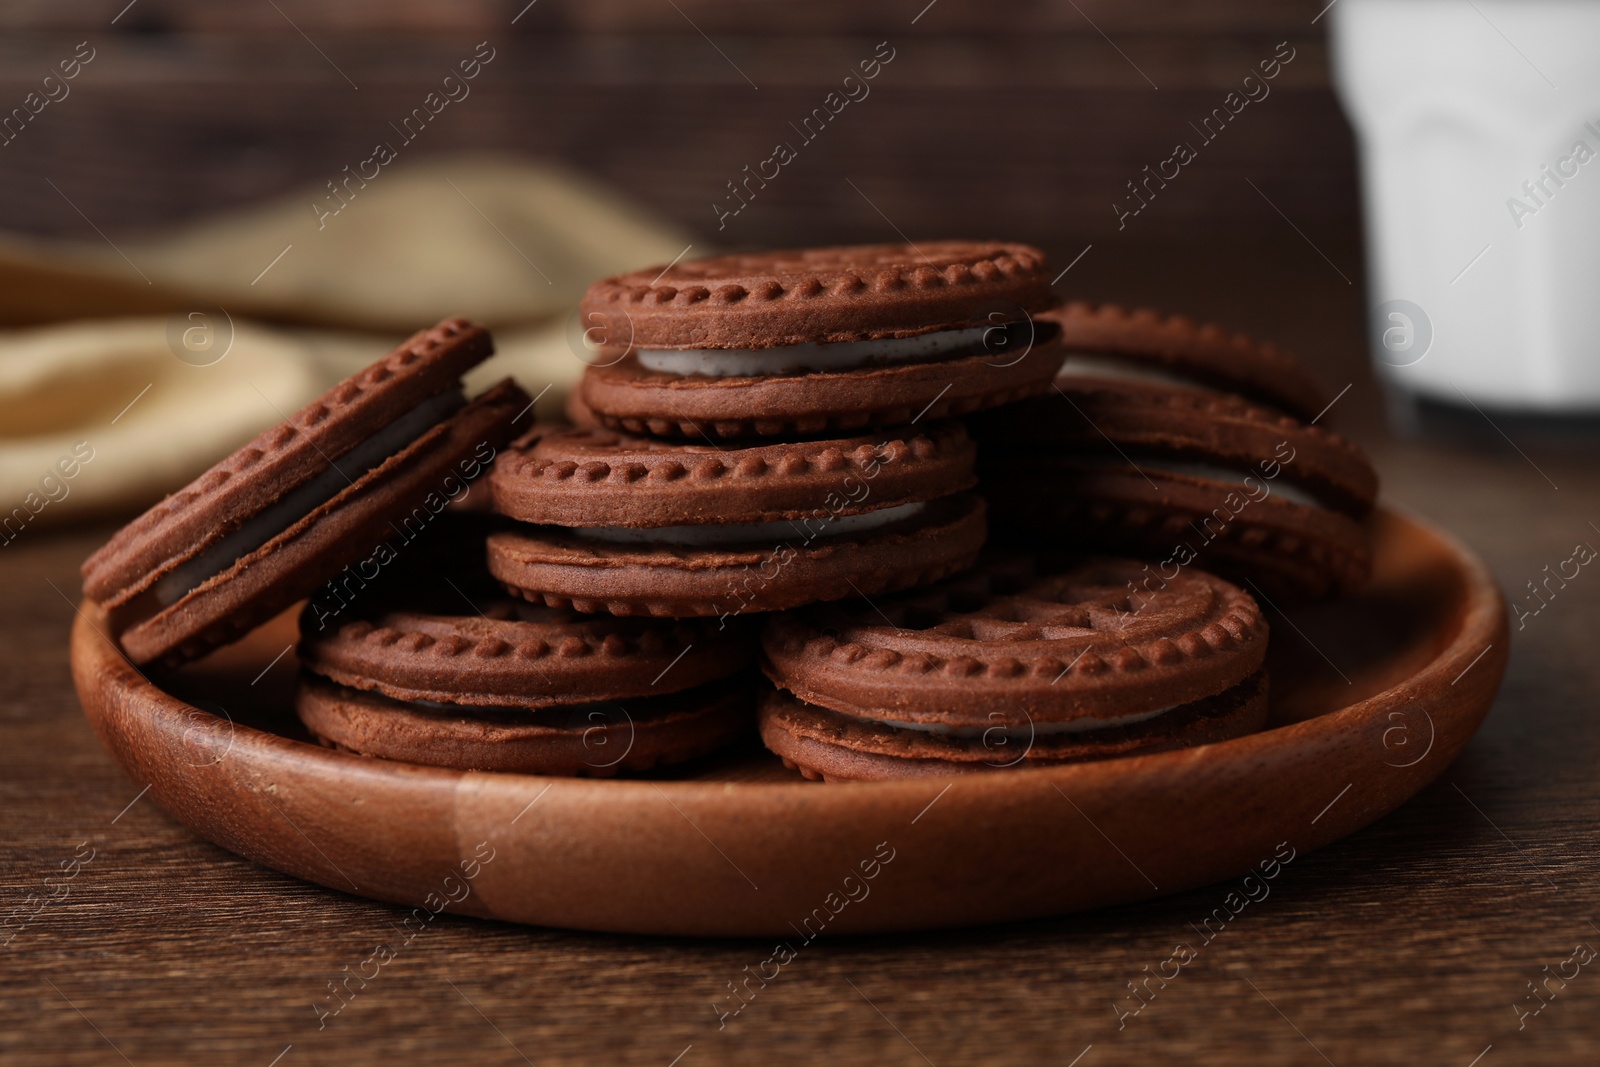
1482 211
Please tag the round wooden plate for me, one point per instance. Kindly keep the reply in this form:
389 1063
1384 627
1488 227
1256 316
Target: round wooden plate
1372 698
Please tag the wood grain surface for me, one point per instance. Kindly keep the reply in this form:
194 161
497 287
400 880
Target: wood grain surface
1414 941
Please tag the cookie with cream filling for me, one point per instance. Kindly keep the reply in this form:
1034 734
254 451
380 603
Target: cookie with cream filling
610 522
1105 340
1183 477
818 341
439 667
289 510
1028 660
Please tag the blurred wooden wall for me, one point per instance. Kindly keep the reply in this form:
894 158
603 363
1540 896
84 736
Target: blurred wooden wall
1009 119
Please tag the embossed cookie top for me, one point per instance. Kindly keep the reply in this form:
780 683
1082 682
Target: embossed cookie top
1206 352
283 458
598 477
850 293
517 654
1024 639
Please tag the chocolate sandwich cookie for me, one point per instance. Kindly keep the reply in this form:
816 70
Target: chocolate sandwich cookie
1180 477
468 678
640 526
1108 341
828 340
1025 661
288 511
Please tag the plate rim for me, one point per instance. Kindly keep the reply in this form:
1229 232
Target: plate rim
110 687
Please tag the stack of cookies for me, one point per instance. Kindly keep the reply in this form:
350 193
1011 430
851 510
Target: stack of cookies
890 507
762 432
1184 444
759 433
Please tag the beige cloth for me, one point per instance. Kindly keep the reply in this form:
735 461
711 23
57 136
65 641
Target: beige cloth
508 244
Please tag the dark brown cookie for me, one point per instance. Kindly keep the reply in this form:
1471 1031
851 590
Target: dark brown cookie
439 667
1034 638
826 745
515 653
817 295
634 525
289 510
593 740
817 341
1098 338
1072 658
1180 477
598 478
560 568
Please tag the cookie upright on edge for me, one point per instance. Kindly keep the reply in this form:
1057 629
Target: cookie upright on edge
282 515
827 340
1025 661
1182 476
641 526
1107 341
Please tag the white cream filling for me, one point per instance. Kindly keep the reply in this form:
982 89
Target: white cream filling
1028 732
302 500
1087 365
1215 472
794 359
739 533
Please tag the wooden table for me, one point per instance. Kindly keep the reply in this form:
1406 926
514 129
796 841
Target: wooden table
1412 942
